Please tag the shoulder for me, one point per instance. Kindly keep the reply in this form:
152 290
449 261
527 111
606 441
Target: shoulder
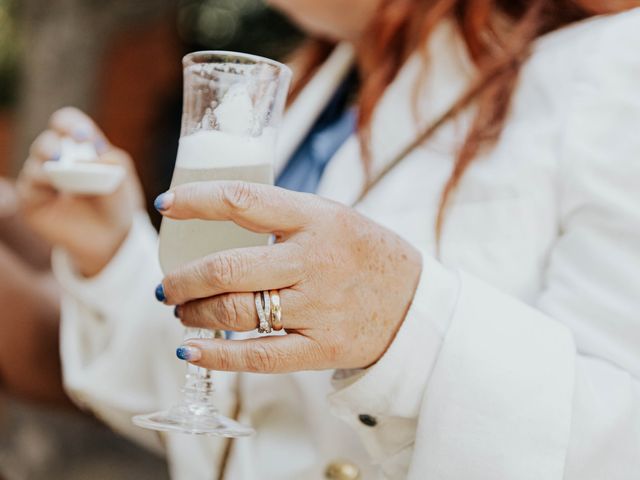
583 48
593 60
581 88
600 143
595 29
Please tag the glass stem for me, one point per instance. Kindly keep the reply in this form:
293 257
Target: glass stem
198 387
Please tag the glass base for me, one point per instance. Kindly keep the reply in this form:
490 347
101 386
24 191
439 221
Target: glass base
195 421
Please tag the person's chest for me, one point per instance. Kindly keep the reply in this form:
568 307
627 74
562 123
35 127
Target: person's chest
503 217
500 223
500 226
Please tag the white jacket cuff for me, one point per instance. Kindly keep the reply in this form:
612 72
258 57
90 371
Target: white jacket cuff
391 391
117 280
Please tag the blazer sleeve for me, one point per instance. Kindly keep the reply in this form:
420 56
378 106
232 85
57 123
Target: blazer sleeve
480 385
118 349
115 340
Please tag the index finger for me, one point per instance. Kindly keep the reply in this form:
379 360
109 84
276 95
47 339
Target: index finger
241 270
257 207
74 123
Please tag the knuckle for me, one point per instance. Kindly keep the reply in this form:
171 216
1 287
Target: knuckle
226 311
294 302
223 359
222 270
298 264
260 358
66 114
171 287
239 196
66 111
190 315
225 270
189 195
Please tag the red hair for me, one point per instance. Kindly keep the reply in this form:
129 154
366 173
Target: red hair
498 35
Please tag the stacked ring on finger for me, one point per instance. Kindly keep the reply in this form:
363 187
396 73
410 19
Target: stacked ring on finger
263 307
266 303
276 310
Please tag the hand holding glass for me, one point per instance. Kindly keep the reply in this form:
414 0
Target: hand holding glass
233 104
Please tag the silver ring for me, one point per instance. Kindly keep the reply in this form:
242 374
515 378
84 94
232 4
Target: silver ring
266 301
257 298
263 307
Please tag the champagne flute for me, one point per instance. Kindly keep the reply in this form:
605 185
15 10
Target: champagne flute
233 104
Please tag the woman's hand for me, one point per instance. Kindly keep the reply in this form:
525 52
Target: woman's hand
89 228
345 282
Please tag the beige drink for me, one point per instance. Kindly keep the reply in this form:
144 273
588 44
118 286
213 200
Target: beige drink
207 156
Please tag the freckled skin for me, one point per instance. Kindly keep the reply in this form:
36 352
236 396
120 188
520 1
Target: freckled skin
355 283
345 282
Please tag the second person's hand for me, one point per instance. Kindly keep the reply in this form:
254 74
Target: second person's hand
89 228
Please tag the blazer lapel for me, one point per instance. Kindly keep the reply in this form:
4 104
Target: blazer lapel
395 123
302 114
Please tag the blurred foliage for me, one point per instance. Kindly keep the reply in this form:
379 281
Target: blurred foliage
9 53
240 25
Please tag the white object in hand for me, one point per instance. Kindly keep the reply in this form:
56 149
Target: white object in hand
78 171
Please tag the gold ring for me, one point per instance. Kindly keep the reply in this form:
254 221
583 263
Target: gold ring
276 310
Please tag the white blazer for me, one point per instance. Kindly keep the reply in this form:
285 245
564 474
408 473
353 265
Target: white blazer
520 355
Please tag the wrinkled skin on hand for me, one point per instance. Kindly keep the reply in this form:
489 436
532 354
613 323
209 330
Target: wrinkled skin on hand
89 228
345 282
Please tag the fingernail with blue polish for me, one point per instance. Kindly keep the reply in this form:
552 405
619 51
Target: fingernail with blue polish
160 293
176 311
188 353
55 157
164 201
